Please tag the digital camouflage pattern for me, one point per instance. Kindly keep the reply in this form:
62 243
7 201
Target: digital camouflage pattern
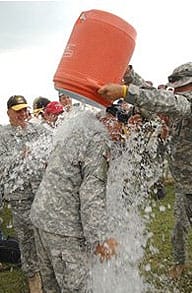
70 267
155 124
183 214
24 154
131 76
71 200
134 78
178 108
21 174
181 75
24 230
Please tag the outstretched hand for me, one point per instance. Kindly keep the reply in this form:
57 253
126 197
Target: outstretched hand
111 91
106 250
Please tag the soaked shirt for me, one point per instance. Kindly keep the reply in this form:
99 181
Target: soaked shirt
71 199
19 167
178 108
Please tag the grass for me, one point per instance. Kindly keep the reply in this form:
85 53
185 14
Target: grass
158 256
12 279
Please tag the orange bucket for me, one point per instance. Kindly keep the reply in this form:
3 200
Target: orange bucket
98 52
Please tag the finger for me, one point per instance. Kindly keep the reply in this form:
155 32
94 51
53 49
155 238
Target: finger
93 83
103 91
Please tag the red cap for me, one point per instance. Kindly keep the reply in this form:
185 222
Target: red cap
54 108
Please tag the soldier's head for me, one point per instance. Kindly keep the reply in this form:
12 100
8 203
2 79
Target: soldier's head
66 101
52 112
39 105
17 110
181 78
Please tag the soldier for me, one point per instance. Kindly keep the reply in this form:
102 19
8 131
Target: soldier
177 106
20 178
69 210
155 125
65 101
39 105
52 112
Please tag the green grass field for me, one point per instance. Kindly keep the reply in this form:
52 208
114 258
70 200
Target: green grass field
156 263
158 255
12 280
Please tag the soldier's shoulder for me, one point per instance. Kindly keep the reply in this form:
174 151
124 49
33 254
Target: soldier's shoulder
6 129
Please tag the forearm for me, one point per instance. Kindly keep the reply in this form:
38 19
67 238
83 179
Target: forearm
93 192
93 213
159 102
133 77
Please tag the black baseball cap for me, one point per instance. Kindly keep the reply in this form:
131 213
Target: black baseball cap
17 103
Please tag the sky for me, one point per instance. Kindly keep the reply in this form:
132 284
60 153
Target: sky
33 36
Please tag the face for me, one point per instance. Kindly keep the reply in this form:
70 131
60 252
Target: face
50 118
18 118
66 102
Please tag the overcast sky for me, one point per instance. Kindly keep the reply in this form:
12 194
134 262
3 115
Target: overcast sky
33 35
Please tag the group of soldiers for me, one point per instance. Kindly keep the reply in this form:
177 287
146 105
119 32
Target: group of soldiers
56 183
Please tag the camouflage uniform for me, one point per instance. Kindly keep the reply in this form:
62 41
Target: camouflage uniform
19 182
178 108
152 128
69 207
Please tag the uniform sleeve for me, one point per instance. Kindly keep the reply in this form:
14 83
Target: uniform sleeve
159 101
93 192
133 77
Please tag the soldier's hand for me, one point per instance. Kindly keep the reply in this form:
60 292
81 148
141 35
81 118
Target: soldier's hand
111 91
107 249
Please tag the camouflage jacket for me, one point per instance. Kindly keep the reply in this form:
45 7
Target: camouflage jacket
178 108
134 78
22 162
71 199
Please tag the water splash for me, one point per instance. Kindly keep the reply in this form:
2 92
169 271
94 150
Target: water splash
28 165
133 171
134 168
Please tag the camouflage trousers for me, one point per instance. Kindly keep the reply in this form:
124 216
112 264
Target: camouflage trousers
64 263
183 222
25 234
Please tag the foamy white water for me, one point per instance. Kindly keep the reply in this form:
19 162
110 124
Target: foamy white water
131 175
133 170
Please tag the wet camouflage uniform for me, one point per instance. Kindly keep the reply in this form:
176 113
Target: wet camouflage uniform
152 128
135 79
69 207
178 108
19 183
